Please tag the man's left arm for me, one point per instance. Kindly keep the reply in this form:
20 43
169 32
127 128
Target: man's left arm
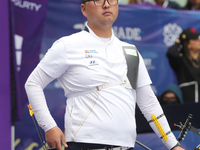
154 114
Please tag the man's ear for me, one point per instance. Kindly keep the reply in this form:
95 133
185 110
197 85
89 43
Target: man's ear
83 10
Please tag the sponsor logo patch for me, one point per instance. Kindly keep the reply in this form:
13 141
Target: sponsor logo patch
130 51
89 53
92 63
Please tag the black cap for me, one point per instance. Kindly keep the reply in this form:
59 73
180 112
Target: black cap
189 33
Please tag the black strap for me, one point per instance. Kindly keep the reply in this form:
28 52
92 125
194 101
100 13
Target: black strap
166 134
132 64
156 117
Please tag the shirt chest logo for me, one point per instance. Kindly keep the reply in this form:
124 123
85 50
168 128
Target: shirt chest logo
93 63
90 53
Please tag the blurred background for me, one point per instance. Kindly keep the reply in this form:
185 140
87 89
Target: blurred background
180 2
29 28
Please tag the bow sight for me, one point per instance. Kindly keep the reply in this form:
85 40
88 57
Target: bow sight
184 128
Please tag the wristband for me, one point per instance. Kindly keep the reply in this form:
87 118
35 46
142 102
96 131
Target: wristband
178 144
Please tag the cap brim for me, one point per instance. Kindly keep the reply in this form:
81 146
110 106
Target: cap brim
195 35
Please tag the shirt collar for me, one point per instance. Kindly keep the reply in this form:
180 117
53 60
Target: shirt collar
88 29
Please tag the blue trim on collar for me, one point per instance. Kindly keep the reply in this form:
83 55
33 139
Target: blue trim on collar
86 29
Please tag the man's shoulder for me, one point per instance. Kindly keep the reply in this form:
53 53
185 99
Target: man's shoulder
127 45
75 36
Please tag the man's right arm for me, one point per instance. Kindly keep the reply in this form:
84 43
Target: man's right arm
34 86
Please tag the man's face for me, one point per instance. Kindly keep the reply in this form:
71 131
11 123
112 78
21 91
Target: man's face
99 15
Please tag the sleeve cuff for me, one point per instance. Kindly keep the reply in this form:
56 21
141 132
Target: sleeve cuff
178 144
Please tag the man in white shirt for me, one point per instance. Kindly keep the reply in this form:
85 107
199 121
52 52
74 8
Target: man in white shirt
103 78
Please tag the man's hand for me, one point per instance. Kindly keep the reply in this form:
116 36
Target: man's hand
178 148
55 137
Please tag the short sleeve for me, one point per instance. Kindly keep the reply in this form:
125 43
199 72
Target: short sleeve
143 75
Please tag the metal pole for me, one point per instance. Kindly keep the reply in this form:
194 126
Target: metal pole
142 145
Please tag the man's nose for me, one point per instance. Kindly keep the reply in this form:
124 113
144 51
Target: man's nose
106 3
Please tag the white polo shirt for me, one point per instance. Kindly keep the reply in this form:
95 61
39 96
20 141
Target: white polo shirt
82 61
